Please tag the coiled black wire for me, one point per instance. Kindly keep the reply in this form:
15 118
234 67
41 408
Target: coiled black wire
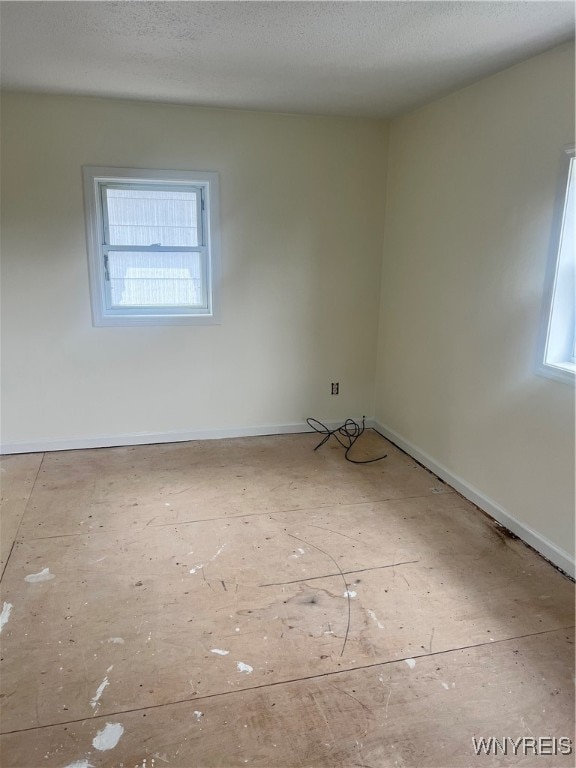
347 434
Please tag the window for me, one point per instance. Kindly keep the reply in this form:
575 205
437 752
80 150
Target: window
558 335
152 246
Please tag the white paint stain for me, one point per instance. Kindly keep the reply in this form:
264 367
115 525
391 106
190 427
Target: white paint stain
5 615
108 737
298 552
375 618
219 651
524 724
350 593
244 667
445 685
80 764
201 565
100 690
381 678
43 575
411 663
116 640
198 715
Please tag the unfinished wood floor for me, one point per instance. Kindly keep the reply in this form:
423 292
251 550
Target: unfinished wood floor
251 602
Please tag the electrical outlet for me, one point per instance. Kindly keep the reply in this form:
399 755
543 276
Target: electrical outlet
335 387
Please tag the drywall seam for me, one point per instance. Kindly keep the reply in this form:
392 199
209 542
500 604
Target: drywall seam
540 543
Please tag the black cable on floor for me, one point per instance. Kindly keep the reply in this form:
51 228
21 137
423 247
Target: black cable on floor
346 435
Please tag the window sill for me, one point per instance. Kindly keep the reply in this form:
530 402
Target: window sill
155 320
561 371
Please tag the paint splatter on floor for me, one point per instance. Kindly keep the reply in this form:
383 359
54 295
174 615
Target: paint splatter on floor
411 663
43 575
298 552
375 619
219 651
5 615
201 565
244 667
108 737
104 684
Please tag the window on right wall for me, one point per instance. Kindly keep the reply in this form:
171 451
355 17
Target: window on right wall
557 352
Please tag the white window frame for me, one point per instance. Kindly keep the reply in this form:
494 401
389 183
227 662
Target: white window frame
556 361
95 179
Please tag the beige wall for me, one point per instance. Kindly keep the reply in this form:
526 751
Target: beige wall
471 186
301 214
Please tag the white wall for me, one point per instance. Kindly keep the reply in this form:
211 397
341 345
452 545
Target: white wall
301 214
471 186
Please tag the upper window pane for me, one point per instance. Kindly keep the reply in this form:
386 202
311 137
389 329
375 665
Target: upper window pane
144 216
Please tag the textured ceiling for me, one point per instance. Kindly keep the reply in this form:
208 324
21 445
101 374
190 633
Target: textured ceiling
351 58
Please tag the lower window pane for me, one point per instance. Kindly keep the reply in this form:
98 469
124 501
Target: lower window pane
156 280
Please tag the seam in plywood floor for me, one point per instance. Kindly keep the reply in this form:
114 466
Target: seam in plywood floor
177 523
292 680
329 575
22 517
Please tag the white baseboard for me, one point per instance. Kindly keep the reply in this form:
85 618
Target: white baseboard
148 438
540 543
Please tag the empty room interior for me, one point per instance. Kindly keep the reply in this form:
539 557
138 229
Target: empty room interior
288 366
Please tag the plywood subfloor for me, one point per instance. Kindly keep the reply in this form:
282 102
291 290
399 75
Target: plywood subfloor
252 602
